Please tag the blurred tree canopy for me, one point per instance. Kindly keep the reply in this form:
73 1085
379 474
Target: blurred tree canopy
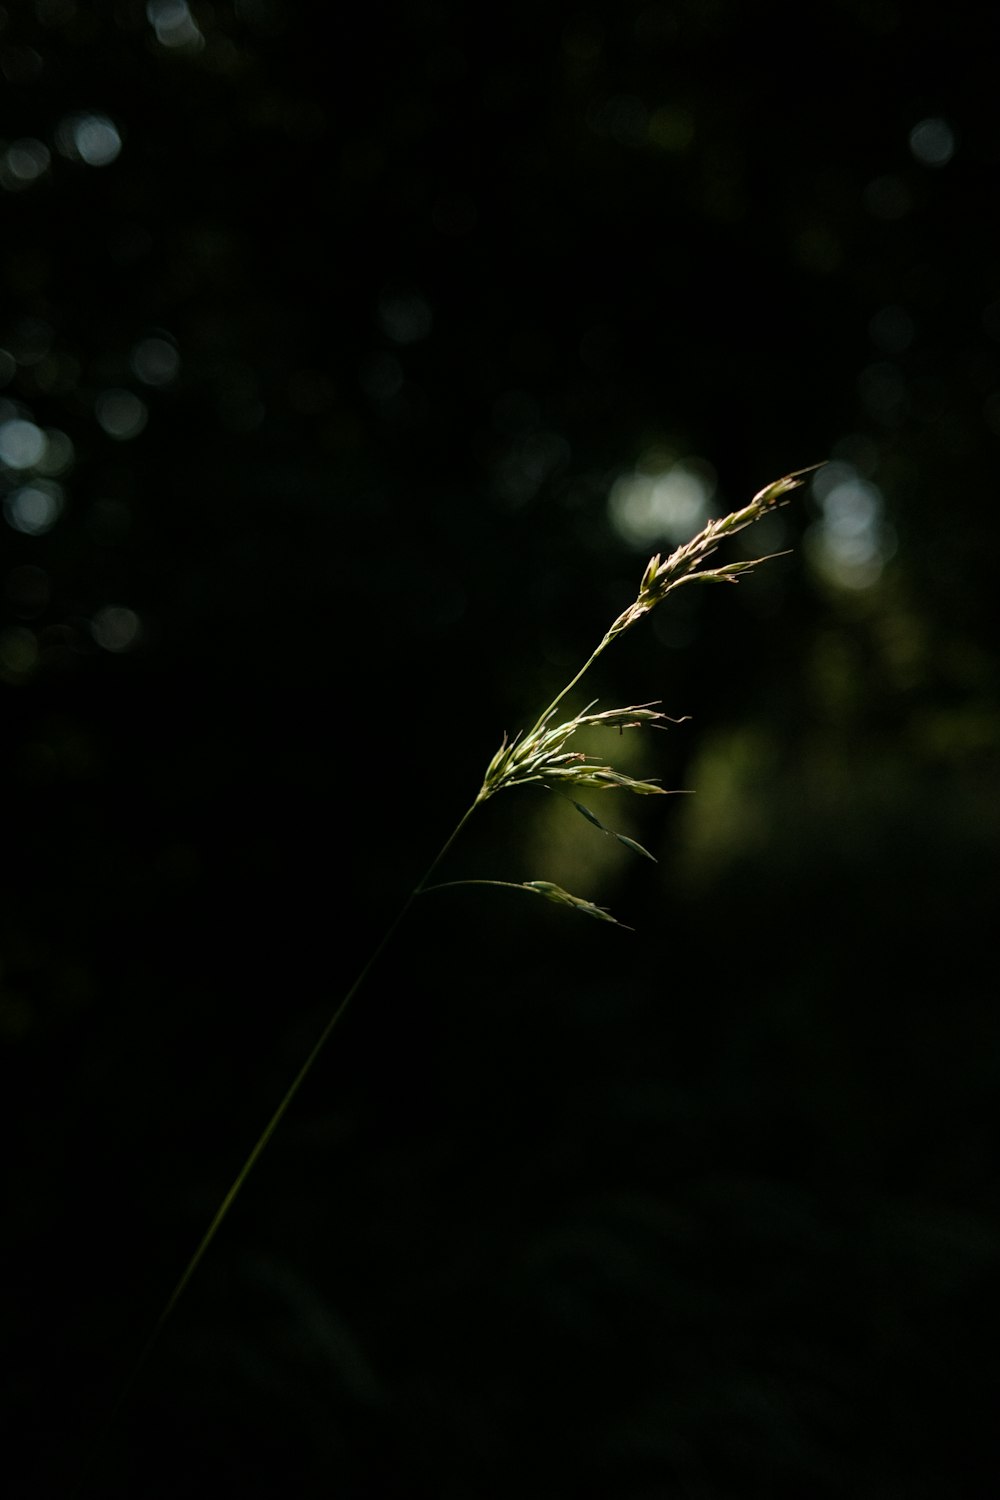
352 364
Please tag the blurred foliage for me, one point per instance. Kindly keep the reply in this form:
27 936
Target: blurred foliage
352 365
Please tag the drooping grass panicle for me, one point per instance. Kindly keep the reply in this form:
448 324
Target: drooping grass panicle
539 757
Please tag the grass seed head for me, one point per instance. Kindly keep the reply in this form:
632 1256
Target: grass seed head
541 755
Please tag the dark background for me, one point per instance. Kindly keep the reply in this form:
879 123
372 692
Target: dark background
351 324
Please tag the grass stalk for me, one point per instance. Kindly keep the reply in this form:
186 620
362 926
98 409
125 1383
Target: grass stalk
541 756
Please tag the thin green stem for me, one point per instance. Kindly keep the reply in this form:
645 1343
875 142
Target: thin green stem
261 1143
568 688
447 885
421 884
